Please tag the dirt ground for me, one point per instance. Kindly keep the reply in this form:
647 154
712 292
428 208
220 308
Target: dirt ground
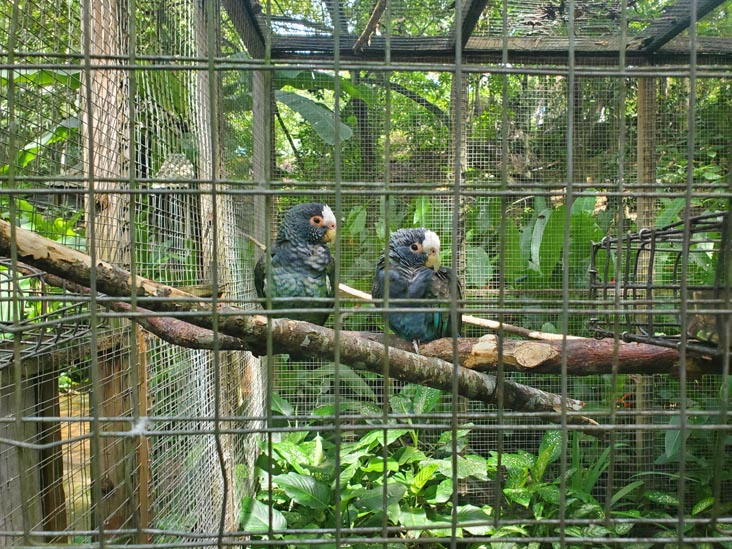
76 458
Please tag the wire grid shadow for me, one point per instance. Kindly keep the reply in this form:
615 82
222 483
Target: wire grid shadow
170 140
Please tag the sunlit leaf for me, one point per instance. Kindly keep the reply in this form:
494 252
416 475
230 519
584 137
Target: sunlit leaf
304 489
71 78
319 117
663 498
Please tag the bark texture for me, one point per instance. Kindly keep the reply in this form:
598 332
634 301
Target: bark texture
229 328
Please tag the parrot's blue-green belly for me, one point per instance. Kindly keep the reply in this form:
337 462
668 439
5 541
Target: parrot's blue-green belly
299 288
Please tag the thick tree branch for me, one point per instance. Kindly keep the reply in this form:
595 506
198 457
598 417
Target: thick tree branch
584 356
299 339
179 332
371 26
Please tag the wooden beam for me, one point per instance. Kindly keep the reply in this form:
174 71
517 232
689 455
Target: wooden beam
676 18
470 14
241 14
539 50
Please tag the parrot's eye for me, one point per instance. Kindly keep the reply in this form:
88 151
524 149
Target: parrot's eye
316 220
416 248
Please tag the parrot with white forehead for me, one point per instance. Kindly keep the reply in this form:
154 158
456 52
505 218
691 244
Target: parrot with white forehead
302 266
415 274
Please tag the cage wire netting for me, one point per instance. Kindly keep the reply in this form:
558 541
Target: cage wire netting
170 139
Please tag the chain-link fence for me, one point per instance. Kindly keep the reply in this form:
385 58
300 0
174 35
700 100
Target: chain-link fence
563 152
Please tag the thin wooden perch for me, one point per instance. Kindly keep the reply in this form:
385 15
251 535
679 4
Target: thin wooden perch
300 339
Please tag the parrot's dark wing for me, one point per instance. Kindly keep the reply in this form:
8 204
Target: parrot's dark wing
330 278
440 289
260 276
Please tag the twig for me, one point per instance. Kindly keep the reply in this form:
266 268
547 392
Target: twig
256 242
347 291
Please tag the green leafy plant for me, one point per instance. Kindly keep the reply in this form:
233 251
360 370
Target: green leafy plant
388 476
531 484
405 478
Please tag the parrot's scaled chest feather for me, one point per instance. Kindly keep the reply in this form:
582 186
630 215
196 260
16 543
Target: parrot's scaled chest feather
301 265
301 273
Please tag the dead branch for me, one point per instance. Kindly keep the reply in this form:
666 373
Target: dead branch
299 339
584 356
178 332
371 25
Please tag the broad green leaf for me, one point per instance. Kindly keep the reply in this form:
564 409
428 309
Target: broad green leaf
518 461
584 204
670 212
551 240
593 510
416 518
711 176
310 80
474 520
443 493
409 454
514 265
376 464
468 466
70 78
30 150
376 438
522 496
702 505
255 515
319 117
440 525
350 379
549 493
422 208
170 94
304 489
446 437
290 455
280 405
356 220
424 475
537 235
479 266
373 499
662 498
425 399
549 450
673 438
401 404
624 491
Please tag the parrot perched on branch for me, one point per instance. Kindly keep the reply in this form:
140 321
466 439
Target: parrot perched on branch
301 264
415 274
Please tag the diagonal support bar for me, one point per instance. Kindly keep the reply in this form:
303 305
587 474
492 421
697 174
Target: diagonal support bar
470 14
676 18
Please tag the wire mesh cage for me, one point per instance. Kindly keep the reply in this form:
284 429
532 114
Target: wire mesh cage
49 317
158 148
647 276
